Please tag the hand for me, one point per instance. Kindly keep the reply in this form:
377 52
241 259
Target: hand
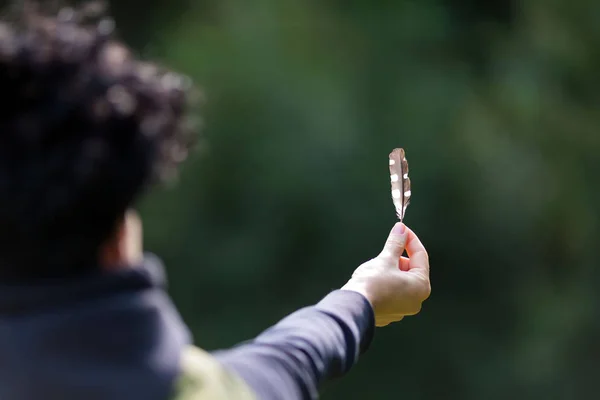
395 286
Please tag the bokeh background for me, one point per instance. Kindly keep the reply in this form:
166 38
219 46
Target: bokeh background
498 106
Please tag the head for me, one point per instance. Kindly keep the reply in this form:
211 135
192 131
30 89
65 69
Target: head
85 130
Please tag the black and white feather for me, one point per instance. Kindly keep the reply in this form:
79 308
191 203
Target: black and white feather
400 182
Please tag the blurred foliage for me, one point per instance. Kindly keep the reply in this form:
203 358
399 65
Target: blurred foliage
497 105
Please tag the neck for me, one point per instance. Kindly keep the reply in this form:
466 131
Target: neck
125 248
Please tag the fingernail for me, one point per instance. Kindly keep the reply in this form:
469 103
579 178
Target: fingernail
399 229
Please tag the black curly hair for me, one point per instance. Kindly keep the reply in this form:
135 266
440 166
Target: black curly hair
85 129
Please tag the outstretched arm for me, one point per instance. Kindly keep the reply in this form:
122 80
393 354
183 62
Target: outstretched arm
291 359
315 344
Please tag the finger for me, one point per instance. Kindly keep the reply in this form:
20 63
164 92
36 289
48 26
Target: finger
394 245
404 264
418 257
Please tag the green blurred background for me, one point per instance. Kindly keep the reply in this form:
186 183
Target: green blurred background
498 106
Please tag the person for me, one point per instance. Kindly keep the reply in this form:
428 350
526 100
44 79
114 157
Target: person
85 130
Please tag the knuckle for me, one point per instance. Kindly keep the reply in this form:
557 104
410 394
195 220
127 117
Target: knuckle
395 242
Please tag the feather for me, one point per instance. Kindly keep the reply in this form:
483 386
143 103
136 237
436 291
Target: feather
400 182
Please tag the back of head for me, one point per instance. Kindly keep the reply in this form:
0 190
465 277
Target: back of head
85 128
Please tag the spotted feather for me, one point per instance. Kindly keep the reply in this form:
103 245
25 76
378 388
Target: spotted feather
400 182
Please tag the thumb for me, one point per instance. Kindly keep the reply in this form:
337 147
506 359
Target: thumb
394 245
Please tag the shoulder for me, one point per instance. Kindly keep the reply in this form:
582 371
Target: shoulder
203 377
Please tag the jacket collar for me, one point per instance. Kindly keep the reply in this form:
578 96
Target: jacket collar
23 298
108 335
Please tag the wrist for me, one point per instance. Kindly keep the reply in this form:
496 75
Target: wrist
360 288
